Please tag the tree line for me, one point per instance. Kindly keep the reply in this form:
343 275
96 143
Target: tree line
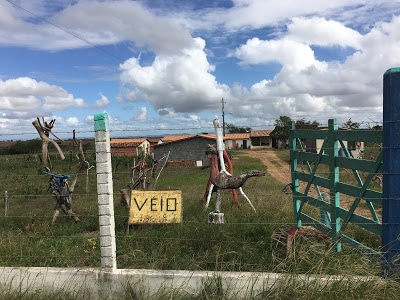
22 147
34 146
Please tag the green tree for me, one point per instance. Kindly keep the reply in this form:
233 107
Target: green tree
235 129
282 128
349 124
26 147
377 127
303 124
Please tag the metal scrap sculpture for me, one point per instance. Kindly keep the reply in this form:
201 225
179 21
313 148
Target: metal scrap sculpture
220 178
61 192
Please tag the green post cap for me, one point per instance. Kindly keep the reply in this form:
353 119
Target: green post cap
101 122
392 70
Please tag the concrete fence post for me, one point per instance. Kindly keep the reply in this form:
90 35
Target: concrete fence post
105 193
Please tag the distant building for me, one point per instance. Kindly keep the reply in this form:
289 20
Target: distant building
315 145
261 139
237 140
189 147
130 146
185 147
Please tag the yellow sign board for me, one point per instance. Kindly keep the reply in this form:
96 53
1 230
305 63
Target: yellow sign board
155 207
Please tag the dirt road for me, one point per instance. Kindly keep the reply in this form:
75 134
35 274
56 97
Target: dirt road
276 167
279 169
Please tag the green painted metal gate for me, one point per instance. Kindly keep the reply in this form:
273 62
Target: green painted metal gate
332 191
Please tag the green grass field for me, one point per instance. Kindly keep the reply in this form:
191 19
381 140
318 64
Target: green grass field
243 243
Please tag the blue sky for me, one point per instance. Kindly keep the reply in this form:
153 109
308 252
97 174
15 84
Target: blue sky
162 67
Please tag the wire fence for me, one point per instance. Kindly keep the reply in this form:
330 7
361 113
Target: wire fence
246 242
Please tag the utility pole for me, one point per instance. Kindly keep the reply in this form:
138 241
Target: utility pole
223 117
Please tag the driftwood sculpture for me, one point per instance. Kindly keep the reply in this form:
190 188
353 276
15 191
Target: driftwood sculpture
44 132
141 181
82 164
220 178
58 184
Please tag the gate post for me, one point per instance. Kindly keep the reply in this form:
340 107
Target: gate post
332 151
105 193
295 180
391 172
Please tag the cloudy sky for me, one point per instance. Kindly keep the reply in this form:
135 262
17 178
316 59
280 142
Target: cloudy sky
161 67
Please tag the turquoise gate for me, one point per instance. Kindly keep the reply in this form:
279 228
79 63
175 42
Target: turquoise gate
332 191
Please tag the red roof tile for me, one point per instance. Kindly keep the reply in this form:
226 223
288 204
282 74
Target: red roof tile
258 133
120 142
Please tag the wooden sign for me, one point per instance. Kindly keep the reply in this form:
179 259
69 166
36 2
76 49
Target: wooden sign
155 207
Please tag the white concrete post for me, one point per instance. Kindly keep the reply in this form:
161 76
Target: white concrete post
105 193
